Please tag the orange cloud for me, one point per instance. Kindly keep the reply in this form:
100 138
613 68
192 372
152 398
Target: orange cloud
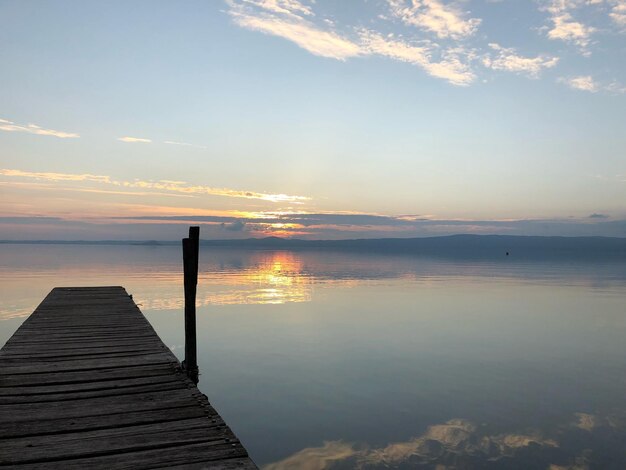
163 185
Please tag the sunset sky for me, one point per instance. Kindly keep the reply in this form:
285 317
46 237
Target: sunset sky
314 119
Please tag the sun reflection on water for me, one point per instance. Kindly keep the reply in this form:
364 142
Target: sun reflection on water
275 277
271 277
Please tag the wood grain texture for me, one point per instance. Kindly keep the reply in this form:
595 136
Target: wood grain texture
86 382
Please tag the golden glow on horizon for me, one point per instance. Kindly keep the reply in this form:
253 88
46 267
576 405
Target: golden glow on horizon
285 226
85 206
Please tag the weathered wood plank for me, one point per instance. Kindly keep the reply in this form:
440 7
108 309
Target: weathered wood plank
75 353
34 367
106 441
95 375
101 393
96 406
231 464
205 455
69 346
60 344
71 388
85 423
85 382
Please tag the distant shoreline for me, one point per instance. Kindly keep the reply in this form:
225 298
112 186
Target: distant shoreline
518 246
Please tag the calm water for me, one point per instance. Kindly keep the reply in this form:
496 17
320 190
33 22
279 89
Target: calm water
327 360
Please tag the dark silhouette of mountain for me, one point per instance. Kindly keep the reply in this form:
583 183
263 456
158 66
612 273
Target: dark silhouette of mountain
466 246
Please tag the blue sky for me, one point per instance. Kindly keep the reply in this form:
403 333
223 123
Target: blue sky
301 118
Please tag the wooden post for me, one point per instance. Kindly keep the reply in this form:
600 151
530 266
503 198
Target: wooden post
190 270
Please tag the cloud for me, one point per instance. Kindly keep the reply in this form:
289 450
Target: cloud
590 84
49 176
570 31
236 226
565 27
615 87
134 139
281 18
617 178
618 13
453 62
163 185
451 66
507 59
359 225
10 126
184 144
285 7
583 82
30 220
48 187
317 226
444 20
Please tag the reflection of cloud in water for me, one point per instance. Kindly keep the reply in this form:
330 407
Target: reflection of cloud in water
441 443
581 462
579 465
586 421
459 443
316 458
590 423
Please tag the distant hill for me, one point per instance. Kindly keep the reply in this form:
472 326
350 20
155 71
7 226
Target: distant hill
453 245
467 246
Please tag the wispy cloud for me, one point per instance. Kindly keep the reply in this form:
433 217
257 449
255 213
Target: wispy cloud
207 190
618 178
283 19
445 20
134 140
582 82
508 59
55 187
50 176
445 53
618 13
184 144
616 88
162 185
10 126
453 65
290 21
286 7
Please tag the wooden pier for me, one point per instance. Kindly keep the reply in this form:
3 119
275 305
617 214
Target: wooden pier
86 382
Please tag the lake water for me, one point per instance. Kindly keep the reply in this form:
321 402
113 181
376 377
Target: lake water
328 360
